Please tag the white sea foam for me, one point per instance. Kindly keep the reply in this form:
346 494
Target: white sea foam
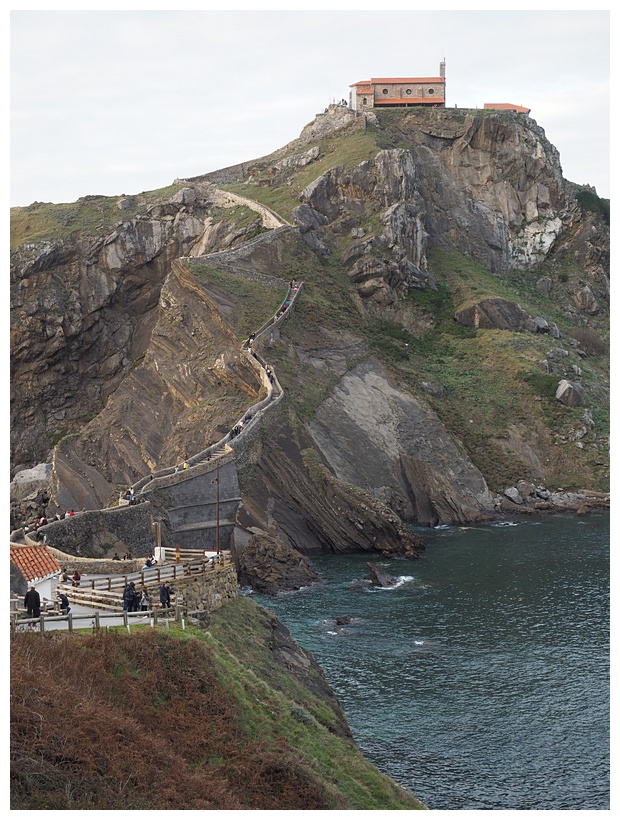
400 580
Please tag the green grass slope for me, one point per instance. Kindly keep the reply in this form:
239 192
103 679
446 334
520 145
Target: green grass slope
182 719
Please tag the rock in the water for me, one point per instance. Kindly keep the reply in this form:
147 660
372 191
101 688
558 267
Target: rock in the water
379 577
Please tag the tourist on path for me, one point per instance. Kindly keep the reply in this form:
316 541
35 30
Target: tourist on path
145 601
164 595
32 602
64 603
130 598
75 579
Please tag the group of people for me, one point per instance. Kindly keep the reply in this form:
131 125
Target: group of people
43 521
183 466
129 496
32 602
238 428
135 600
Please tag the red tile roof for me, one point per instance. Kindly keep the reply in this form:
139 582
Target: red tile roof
508 107
413 80
408 80
410 100
34 563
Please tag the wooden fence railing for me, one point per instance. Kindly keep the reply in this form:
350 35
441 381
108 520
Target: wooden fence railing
44 622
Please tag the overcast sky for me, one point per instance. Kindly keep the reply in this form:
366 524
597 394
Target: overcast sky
120 102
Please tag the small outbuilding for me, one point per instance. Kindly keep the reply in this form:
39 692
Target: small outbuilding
36 565
520 109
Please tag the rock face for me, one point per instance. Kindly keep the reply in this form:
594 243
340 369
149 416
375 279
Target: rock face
268 564
372 434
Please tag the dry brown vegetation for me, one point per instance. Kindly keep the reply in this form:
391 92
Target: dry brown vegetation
112 721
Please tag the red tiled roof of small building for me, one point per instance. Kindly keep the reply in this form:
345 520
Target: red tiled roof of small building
508 107
409 100
34 563
377 80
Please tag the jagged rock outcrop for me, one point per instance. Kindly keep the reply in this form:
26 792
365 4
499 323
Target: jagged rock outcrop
379 577
83 313
268 564
502 314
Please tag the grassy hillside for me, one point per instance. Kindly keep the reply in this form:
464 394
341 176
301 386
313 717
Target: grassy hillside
43 221
182 719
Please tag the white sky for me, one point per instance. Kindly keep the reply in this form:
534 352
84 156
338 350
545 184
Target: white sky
119 102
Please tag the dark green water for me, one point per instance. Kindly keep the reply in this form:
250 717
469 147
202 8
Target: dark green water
481 681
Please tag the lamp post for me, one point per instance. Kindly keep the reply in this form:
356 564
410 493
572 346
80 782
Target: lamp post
216 481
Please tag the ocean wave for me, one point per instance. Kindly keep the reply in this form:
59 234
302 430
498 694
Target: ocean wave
400 580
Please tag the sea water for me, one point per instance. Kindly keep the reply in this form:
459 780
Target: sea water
480 680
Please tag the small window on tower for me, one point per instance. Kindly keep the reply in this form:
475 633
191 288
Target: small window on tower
431 90
408 91
384 91
364 101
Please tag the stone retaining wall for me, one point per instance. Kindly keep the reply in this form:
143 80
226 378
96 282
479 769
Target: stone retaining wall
99 533
208 591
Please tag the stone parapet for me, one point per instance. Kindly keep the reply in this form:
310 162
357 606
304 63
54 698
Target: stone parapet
207 591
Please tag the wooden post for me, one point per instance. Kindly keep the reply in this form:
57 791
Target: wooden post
217 508
42 622
178 553
97 625
70 622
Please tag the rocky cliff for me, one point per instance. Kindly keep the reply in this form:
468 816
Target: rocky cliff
452 280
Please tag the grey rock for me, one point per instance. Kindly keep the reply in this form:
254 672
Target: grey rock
525 489
379 577
545 284
514 495
570 394
307 218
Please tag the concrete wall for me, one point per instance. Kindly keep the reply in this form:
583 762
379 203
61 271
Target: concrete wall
192 507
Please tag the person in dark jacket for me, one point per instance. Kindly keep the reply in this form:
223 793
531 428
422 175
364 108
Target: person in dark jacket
64 603
164 595
32 602
130 598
